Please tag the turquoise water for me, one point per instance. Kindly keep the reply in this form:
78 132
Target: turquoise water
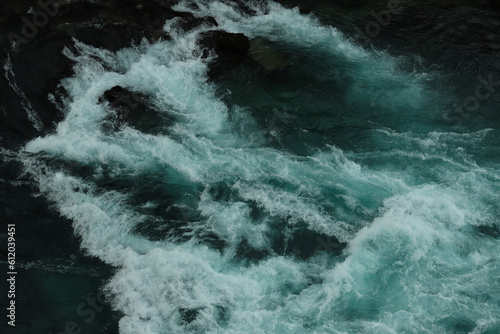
335 196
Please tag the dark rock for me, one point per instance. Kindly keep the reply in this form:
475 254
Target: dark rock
36 70
123 23
306 243
130 108
266 56
446 4
192 22
491 231
313 6
124 106
231 50
38 64
208 41
188 315
119 98
233 43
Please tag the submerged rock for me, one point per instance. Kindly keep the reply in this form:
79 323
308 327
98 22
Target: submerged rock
491 231
233 43
233 49
34 34
130 108
266 56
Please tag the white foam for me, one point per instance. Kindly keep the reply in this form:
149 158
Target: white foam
407 256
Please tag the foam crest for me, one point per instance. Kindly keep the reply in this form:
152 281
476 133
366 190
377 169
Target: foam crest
223 265
414 254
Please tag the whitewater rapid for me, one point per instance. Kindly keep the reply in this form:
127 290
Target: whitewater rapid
408 201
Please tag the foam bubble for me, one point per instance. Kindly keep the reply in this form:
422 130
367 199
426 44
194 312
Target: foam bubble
414 255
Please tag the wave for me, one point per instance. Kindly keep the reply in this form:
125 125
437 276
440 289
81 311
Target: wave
213 229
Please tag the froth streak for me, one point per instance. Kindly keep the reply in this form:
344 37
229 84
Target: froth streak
414 261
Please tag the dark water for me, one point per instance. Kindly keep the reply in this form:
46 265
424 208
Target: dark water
353 191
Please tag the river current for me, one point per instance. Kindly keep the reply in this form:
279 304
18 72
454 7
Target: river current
355 191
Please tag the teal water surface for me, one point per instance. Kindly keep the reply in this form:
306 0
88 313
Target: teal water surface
338 195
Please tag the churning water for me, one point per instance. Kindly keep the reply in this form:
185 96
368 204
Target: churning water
334 196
